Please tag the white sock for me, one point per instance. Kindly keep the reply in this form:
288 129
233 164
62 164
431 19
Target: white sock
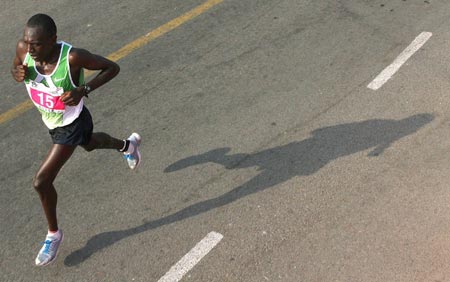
56 234
124 145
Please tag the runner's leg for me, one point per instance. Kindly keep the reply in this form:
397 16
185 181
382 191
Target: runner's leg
129 147
100 140
43 181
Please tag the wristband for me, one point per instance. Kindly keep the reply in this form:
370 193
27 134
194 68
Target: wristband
87 90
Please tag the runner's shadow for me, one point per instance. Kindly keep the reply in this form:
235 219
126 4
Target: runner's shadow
277 165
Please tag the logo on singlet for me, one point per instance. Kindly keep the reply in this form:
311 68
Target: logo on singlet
59 79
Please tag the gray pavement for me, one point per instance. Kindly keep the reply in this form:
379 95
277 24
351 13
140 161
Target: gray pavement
257 123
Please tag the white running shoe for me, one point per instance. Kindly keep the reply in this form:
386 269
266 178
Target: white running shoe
49 251
133 156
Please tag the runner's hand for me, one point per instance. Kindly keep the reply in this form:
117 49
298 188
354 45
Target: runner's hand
73 97
19 72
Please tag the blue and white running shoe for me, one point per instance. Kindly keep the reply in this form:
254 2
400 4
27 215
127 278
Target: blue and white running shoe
132 155
49 250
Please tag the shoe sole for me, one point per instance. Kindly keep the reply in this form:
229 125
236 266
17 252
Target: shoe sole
57 251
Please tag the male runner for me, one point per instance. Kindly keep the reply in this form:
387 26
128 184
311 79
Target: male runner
53 74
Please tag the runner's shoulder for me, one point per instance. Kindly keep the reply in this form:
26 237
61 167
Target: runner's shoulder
77 54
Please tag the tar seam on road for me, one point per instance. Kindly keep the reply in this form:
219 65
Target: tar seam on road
126 50
187 262
390 70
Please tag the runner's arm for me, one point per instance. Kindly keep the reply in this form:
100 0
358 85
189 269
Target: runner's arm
18 69
79 59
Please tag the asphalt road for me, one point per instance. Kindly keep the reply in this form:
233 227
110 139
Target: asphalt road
257 124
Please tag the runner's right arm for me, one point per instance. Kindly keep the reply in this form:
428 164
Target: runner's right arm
18 69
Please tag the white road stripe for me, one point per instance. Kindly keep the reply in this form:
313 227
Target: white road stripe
187 262
389 71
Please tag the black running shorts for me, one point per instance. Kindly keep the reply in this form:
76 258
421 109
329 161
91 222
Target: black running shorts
79 132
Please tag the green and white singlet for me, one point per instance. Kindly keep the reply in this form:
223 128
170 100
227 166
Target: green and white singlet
45 90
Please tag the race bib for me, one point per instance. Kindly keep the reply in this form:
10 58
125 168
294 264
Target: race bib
47 98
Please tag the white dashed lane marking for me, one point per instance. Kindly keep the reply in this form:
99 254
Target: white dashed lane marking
187 262
390 70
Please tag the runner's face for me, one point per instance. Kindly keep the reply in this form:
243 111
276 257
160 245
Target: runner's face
39 44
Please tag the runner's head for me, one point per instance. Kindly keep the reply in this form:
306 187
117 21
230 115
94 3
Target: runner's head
40 36
43 21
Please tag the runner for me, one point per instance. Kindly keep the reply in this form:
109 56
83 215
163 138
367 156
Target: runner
53 75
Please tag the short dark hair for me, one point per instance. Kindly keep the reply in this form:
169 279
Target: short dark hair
45 22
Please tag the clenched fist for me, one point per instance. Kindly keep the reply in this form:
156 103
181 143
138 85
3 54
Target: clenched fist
19 72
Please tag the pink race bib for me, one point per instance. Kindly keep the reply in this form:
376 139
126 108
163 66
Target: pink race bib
46 100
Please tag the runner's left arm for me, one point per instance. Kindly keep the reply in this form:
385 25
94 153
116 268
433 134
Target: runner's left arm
82 59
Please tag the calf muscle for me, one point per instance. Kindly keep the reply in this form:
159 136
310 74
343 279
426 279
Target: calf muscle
100 140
